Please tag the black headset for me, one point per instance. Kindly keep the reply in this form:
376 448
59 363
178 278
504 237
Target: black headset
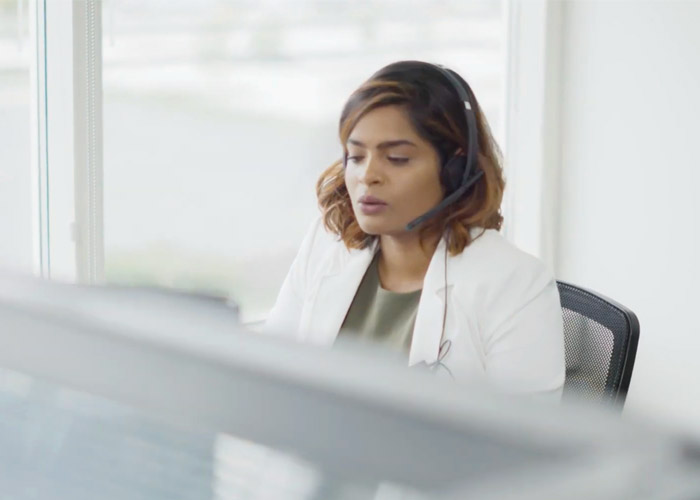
456 173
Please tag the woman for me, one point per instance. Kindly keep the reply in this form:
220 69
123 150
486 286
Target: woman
407 252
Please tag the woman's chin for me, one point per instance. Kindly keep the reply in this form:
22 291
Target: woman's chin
377 227
372 226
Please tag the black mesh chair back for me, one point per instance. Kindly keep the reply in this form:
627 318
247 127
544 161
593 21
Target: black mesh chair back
601 339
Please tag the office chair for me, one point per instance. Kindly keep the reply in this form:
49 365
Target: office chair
601 339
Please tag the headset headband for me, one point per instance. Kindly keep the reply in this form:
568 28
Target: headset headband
464 93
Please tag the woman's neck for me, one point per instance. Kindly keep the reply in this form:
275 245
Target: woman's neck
403 261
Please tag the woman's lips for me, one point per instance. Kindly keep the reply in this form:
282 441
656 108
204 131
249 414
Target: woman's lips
372 208
371 205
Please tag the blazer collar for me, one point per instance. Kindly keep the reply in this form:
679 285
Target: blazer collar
336 290
428 327
437 289
341 279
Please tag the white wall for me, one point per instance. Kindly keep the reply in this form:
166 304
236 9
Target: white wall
630 180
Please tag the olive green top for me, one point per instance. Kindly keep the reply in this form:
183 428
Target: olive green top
379 315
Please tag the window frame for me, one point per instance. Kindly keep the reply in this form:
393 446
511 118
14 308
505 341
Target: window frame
532 135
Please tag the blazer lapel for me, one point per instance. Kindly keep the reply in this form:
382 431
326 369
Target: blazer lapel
428 327
335 294
437 287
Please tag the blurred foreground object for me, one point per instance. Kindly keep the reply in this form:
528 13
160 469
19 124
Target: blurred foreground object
110 394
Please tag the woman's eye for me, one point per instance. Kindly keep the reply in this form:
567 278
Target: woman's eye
398 160
354 159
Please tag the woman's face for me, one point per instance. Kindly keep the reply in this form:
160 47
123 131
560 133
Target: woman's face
392 174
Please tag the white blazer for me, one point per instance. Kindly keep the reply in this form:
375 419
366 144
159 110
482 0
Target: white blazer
504 317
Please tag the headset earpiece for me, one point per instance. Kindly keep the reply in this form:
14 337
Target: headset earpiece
452 173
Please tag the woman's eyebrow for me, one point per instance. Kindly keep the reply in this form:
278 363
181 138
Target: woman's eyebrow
385 144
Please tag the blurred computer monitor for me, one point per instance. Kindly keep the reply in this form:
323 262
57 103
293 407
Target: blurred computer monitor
131 393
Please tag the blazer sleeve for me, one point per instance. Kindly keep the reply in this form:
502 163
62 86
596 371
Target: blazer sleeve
524 344
284 318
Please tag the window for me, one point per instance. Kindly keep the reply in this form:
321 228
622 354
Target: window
220 116
16 250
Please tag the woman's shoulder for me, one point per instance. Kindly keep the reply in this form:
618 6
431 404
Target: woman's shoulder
491 257
322 250
319 240
499 278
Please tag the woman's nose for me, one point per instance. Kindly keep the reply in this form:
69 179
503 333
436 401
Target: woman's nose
371 174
